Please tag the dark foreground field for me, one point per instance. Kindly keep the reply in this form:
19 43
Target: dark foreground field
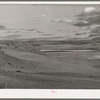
24 65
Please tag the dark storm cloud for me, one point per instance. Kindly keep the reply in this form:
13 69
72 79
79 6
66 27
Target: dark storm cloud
78 34
95 32
89 18
93 35
81 33
81 24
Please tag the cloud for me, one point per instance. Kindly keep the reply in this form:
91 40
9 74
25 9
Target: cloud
2 27
31 29
93 35
78 34
81 33
43 16
62 20
88 16
81 23
89 19
40 16
13 36
95 32
89 9
46 34
39 31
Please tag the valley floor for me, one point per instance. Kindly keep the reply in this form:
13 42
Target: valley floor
74 69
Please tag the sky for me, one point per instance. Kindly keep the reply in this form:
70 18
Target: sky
41 20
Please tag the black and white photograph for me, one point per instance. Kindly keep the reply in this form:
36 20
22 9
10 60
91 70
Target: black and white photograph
50 46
